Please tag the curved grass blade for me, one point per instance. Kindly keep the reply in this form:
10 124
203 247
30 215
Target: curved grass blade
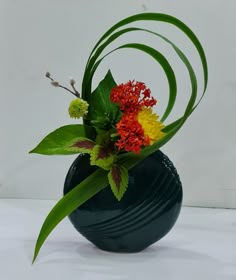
121 32
92 61
167 69
162 18
81 193
161 60
154 17
87 87
176 125
129 160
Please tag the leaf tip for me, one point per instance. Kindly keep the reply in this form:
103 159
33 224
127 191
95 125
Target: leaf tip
118 180
34 258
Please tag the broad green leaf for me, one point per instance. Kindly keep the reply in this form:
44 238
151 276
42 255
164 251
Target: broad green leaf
101 109
102 157
118 180
61 141
76 197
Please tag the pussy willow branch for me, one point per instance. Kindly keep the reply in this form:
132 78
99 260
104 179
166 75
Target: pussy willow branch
72 83
57 84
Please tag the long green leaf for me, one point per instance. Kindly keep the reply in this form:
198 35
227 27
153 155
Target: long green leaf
162 18
170 106
166 67
85 86
91 71
161 60
154 17
130 160
76 197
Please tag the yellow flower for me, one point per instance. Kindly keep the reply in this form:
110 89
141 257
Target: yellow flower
78 108
151 125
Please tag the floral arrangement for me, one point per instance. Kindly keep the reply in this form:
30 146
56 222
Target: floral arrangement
120 127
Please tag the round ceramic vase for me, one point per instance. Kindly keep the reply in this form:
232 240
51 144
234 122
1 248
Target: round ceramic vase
146 213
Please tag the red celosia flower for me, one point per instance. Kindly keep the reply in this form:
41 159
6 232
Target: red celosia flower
132 96
131 134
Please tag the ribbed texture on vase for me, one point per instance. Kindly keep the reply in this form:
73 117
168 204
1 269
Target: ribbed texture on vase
146 213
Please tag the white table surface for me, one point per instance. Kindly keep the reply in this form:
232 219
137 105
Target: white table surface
202 245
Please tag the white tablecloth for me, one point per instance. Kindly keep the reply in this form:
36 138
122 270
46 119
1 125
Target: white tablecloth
201 246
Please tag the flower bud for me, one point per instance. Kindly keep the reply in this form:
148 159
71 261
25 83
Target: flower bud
78 108
72 82
55 84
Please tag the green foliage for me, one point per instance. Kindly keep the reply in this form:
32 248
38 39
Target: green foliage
104 138
62 141
102 157
102 113
118 180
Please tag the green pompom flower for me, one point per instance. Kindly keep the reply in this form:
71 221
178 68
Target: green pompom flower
78 108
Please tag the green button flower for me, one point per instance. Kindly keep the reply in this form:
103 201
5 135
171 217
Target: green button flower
78 108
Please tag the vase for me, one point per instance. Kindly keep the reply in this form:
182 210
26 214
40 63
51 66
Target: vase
146 213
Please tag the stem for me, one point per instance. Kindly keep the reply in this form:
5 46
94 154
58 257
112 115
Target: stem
75 92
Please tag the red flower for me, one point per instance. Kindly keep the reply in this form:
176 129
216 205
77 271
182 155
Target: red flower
131 134
132 96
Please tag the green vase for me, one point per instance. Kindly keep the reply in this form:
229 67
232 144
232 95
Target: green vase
146 213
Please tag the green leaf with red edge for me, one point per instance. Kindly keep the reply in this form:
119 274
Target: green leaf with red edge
63 141
84 145
102 157
118 178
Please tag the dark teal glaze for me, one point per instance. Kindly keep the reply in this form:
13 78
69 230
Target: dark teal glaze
146 213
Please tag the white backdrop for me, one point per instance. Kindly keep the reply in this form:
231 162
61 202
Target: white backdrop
57 36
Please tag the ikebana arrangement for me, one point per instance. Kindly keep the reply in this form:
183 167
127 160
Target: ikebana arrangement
122 193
